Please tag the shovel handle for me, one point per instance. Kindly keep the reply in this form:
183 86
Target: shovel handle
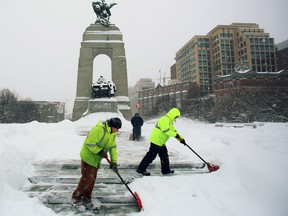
196 154
121 179
135 195
211 167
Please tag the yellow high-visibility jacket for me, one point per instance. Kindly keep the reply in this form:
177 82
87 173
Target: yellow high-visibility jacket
99 138
164 128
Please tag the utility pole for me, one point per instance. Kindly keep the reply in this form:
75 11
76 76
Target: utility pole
164 79
160 76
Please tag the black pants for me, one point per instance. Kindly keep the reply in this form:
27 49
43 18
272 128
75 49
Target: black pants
151 155
137 133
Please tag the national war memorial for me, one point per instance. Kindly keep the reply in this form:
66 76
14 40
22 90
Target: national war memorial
102 38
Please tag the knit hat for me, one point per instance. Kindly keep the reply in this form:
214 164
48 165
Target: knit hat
115 122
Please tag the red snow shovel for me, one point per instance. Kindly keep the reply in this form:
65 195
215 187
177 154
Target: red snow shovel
211 167
135 195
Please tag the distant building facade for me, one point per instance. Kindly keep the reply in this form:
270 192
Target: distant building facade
141 85
205 56
50 112
159 100
252 96
229 74
282 55
243 96
173 74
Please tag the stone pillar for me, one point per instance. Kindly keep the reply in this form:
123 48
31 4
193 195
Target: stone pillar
97 40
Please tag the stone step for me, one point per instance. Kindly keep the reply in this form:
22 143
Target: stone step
105 209
53 183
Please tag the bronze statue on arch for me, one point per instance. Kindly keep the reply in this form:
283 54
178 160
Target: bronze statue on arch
103 13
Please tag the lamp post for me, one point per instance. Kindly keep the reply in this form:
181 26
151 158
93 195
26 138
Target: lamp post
264 52
201 72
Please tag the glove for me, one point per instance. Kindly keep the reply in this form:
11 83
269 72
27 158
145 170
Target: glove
180 139
103 154
114 167
183 141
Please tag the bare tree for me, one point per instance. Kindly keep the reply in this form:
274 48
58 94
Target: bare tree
8 100
14 111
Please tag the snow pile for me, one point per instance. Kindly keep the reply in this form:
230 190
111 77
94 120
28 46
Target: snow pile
251 180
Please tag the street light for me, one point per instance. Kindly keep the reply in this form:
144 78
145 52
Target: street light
264 51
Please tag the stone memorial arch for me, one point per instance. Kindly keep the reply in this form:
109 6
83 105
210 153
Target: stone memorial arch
98 39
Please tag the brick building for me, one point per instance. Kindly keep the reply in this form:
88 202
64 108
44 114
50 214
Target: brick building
162 98
141 85
252 96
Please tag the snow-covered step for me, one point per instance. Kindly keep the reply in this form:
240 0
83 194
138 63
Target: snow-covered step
53 183
65 198
75 164
105 209
72 180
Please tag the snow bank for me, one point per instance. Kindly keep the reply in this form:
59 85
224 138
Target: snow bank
251 181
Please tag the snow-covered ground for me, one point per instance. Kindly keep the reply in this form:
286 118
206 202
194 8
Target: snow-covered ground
252 179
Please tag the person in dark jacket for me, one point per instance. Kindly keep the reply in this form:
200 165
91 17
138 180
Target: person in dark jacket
137 122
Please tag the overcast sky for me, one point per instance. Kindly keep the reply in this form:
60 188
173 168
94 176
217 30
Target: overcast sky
40 40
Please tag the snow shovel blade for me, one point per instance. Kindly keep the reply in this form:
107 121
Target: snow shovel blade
138 201
212 167
135 195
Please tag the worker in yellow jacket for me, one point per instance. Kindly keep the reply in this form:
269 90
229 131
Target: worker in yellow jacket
100 141
163 130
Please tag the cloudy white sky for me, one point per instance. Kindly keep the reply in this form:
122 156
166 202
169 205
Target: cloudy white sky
40 40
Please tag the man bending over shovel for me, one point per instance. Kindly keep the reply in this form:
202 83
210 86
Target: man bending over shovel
98 143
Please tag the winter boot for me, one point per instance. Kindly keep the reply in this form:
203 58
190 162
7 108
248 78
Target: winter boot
168 172
145 173
77 204
91 205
